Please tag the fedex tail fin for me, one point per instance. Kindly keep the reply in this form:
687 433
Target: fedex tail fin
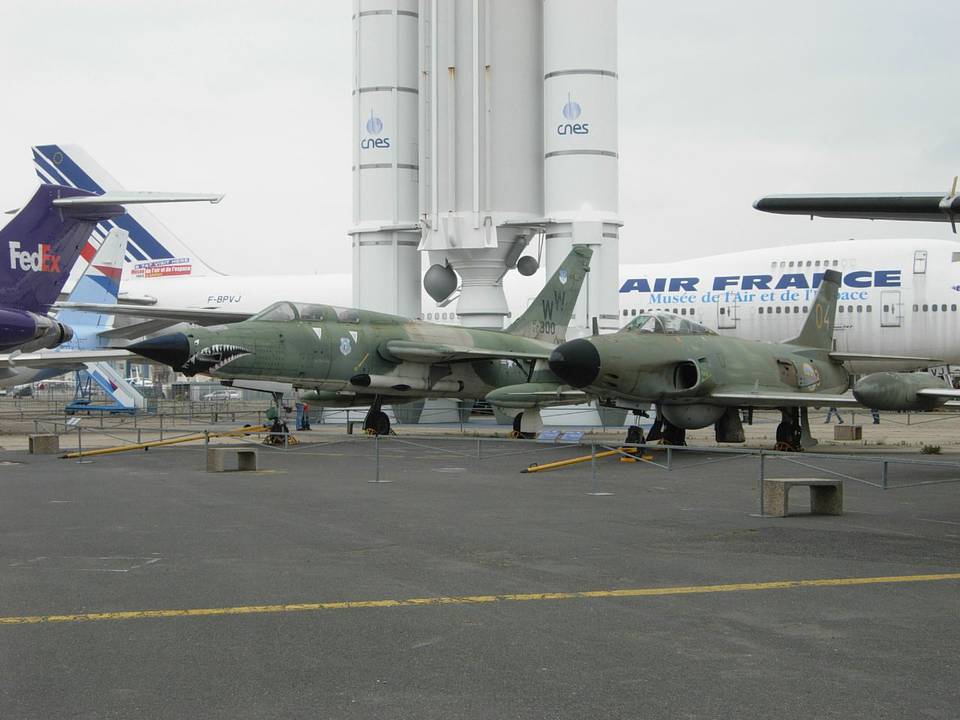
100 283
152 250
817 331
549 314
38 248
40 245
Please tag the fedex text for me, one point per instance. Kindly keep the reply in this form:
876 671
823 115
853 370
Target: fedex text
43 260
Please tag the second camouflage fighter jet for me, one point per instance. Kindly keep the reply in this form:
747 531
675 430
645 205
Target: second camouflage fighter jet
350 357
698 378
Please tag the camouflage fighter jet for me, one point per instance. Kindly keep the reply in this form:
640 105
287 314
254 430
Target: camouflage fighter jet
697 378
350 357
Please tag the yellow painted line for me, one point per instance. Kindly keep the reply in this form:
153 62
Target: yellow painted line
474 599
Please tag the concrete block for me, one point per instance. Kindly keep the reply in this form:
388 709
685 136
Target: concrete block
848 432
826 496
219 458
44 444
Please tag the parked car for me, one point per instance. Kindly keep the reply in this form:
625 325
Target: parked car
222 395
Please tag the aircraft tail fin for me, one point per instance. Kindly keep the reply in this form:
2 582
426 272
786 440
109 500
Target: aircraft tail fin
39 247
817 331
153 250
100 282
550 312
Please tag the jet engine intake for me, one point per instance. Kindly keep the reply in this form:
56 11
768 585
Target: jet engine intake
29 331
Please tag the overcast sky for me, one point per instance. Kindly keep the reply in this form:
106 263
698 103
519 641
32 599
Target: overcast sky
719 103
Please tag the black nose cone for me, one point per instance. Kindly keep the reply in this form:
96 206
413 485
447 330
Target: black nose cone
576 362
172 349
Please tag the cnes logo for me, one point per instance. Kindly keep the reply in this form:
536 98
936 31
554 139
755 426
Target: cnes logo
374 127
40 261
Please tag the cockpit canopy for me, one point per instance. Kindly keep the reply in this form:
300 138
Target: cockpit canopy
666 324
288 311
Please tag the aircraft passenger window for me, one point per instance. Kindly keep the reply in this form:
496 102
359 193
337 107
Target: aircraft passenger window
926 307
773 264
760 311
955 257
933 307
836 262
624 312
723 311
817 263
683 311
953 308
869 308
859 308
849 308
779 309
839 308
916 307
804 309
943 307
791 263
782 263
796 309
886 308
633 311
808 263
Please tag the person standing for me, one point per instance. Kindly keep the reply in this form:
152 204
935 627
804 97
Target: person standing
831 411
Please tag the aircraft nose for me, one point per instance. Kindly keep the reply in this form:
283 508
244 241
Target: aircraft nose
172 349
576 362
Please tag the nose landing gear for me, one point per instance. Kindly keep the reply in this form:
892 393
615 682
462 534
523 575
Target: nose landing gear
376 421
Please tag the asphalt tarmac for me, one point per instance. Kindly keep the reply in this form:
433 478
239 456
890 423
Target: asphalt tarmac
140 586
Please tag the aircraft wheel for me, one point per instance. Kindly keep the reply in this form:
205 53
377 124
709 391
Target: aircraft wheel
673 435
377 423
517 432
785 433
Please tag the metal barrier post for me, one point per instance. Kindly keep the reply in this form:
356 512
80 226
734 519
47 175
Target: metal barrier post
80 460
761 480
478 449
376 454
669 458
593 472
161 426
593 467
138 436
206 439
883 474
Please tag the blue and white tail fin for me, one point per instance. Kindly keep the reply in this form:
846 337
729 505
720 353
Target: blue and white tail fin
39 247
152 250
99 284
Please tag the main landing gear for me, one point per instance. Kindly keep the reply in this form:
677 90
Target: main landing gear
517 432
666 432
376 421
789 431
